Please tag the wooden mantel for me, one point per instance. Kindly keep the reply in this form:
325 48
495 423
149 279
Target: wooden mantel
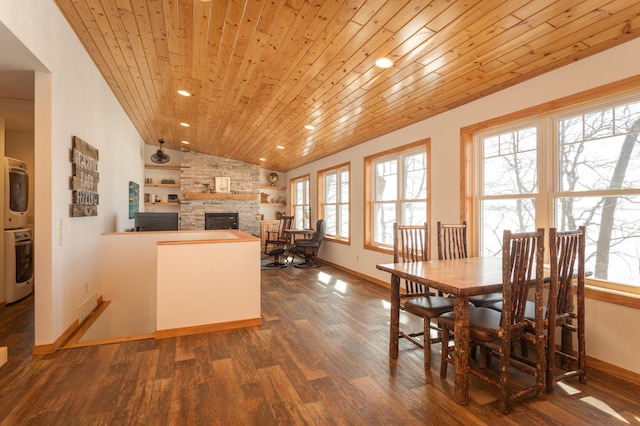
218 195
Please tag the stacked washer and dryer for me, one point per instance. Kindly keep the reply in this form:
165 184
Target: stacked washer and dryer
18 241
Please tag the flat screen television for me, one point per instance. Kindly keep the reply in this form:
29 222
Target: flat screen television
156 221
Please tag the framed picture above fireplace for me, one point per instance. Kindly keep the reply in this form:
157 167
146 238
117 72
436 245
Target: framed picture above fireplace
222 184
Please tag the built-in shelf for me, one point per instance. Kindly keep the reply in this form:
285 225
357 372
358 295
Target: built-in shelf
217 195
273 204
157 166
163 203
163 185
282 188
158 173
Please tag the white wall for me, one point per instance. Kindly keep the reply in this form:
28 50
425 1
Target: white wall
444 132
71 98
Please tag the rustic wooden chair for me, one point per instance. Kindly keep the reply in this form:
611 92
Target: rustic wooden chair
280 237
411 244
566 259
452 244
566 264
522 266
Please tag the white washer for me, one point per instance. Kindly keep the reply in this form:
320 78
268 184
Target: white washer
18 264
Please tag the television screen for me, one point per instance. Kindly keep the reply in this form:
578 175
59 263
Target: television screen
156 221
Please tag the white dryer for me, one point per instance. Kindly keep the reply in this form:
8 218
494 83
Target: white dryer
18 264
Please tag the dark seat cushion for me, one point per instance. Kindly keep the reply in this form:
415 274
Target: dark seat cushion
277 251
483 300
484 322
429 307
529 310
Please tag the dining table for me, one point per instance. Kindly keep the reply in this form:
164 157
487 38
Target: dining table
459 278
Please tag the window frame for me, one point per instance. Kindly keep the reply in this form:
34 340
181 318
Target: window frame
369 186
545 114
321 175
307 195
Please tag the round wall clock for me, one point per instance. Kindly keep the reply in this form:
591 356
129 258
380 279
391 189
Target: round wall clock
273 178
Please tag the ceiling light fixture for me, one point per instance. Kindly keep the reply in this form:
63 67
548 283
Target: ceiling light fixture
309 127
384 63
262 159
279 146
184 124
185 142
184 93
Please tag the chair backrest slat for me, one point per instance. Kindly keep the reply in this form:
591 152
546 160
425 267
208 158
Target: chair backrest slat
522 261
452 241
411 244
286 222
566 258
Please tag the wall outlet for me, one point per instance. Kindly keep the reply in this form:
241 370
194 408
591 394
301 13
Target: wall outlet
357 258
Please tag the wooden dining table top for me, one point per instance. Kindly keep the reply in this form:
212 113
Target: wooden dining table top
459 277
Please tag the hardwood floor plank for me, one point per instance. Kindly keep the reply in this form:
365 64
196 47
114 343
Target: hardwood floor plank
320 357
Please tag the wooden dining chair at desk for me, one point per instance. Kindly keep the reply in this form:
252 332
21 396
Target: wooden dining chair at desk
411 244
522 265
452 244
280 237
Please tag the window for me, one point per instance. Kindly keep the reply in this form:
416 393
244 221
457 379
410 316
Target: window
509 185
334 201
397 191
577 167
300 202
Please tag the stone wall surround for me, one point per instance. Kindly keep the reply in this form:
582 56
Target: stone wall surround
198 170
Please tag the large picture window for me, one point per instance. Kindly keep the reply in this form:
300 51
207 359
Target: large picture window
397 192
334 201
578 167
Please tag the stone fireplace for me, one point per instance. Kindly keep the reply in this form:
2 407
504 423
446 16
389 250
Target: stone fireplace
197 173
221 221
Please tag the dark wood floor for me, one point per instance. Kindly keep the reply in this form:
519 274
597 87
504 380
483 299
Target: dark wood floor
320 357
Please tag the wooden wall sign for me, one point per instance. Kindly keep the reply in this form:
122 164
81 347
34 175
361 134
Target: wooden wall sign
84 179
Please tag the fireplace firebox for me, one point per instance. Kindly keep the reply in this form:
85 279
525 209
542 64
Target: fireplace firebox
221 221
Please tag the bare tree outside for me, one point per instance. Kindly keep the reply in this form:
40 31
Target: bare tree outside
598 186
400 193
598 152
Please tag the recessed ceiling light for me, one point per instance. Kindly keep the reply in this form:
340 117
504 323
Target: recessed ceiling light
184 124
309 127
262 159
184 93
279 146
185 142
384 63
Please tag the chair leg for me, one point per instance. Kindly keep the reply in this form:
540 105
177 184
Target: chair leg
445 352
582 354
504 376
541 366
427 343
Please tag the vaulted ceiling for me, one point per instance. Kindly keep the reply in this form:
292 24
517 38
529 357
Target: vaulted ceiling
260 70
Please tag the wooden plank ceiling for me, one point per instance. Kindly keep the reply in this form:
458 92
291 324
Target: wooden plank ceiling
260 70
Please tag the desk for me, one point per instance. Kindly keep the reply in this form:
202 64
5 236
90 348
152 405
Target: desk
459 277
294 233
